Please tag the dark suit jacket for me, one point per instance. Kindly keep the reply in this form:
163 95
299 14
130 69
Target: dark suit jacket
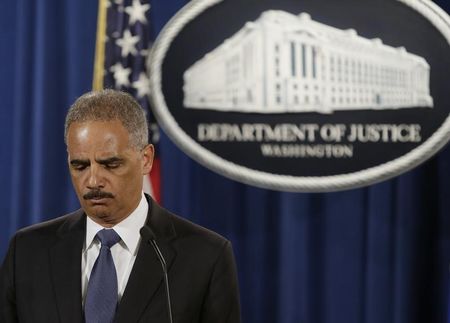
40 280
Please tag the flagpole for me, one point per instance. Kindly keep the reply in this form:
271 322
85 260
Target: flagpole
97 82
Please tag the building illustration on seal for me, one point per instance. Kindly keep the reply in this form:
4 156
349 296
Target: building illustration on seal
284 63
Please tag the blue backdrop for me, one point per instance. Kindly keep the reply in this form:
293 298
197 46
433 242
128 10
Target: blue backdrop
377 254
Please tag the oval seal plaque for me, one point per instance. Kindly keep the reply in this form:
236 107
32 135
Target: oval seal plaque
305 96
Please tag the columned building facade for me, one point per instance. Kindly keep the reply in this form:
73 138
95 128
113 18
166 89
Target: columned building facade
285 63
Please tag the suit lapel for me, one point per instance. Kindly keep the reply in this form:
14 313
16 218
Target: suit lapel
65 264
146 276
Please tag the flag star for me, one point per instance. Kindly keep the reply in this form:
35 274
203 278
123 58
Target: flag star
154 130
137 12
114 67
121 75
142 85
127 43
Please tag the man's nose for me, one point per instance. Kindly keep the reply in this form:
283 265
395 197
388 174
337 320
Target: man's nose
95 179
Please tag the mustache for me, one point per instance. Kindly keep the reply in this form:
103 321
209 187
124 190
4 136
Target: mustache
97 194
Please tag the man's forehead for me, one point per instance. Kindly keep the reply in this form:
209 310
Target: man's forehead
96 155
98 149
97 133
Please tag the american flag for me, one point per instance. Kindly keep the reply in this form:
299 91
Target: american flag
124 38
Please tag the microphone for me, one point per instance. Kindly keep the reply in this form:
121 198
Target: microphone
148 235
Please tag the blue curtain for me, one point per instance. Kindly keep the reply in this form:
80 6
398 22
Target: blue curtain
377 254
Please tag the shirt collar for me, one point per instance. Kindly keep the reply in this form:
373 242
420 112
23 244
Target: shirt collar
127 229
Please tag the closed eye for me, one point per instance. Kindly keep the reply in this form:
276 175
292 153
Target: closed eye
111 163
79 164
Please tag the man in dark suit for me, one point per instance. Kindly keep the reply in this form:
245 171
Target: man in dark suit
92 265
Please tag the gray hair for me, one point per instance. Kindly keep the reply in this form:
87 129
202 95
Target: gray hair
110 105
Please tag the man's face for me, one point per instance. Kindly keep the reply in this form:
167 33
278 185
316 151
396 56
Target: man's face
106 170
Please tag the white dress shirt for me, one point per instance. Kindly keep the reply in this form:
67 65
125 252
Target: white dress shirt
123 253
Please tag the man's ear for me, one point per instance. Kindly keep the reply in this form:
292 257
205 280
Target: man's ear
148 153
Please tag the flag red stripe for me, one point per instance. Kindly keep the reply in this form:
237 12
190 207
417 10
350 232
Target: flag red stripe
155 180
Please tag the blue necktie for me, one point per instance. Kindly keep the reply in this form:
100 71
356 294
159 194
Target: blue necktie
101 297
